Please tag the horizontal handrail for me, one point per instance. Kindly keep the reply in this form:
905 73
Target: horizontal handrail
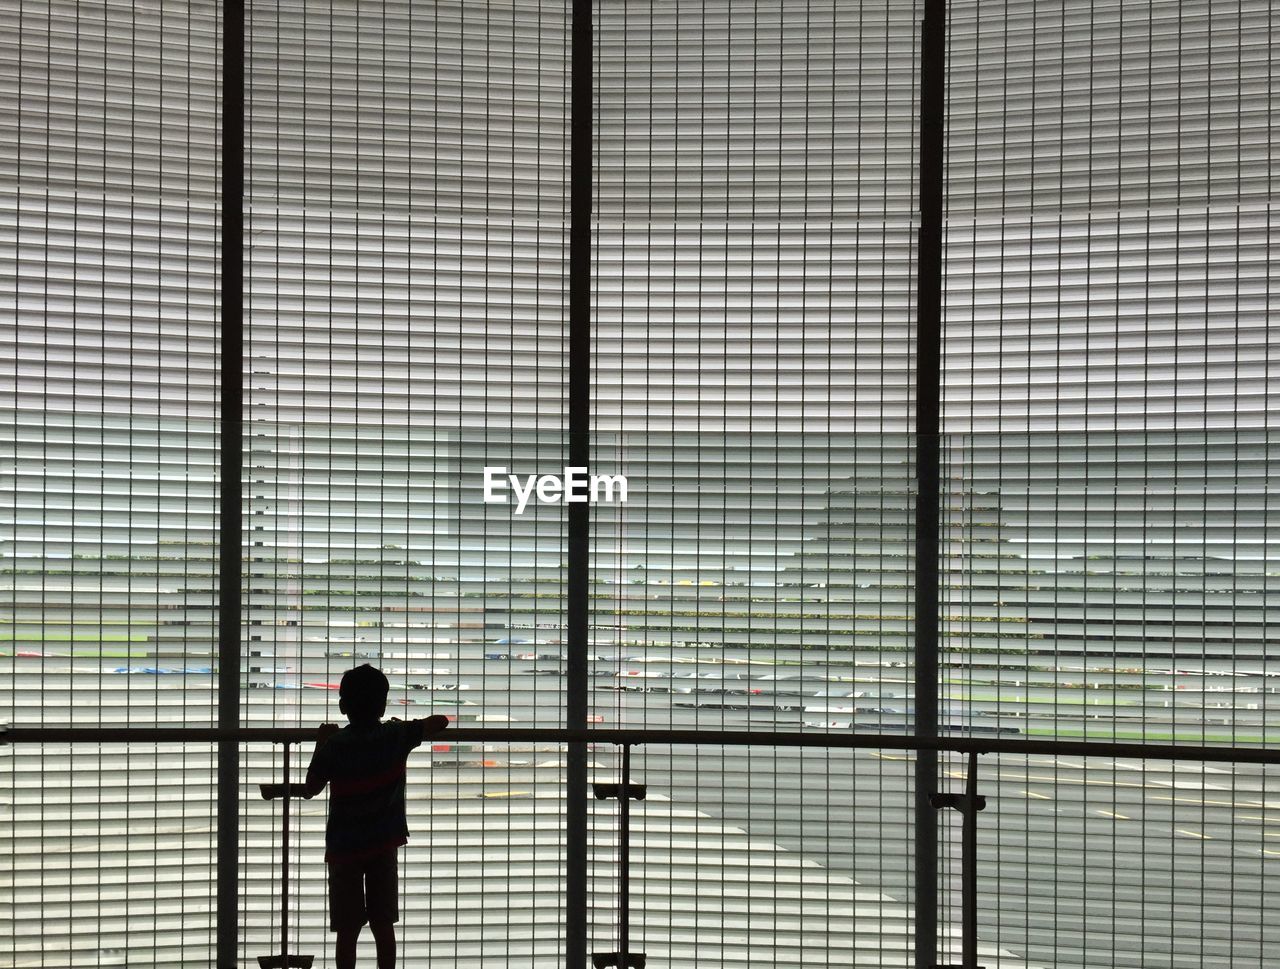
622 735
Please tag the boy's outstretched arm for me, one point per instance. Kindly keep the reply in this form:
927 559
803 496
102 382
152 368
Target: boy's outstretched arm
416 731
420 729
317 774
433 724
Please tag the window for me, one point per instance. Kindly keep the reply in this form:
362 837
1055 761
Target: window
1107 547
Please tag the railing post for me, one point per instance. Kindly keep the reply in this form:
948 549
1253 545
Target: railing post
624 958
284 866
624 859
968 804
969 860
284 791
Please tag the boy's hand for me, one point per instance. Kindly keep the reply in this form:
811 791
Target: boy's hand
434 724
326 731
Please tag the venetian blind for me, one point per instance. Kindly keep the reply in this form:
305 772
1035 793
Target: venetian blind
405 327
1110 522
108 214
755 214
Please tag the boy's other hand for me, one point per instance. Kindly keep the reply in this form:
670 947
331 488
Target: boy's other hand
326 731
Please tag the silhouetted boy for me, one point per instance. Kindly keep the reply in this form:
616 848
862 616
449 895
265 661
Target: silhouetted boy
364 766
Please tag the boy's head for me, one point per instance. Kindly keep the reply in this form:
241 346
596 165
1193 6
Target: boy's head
362 694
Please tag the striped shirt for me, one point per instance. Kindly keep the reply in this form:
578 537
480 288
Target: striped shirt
365 769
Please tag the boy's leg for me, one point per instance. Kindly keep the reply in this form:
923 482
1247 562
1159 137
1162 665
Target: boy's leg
382 901
384 935
344 956
346 910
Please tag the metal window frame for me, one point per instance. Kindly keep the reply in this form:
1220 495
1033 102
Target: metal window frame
577 617
928 387
230 497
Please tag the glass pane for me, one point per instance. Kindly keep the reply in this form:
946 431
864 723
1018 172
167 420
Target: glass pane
109 855
109 387
406 330
1110 517
752 379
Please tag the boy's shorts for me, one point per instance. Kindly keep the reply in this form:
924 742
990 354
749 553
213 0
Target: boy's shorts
363 891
